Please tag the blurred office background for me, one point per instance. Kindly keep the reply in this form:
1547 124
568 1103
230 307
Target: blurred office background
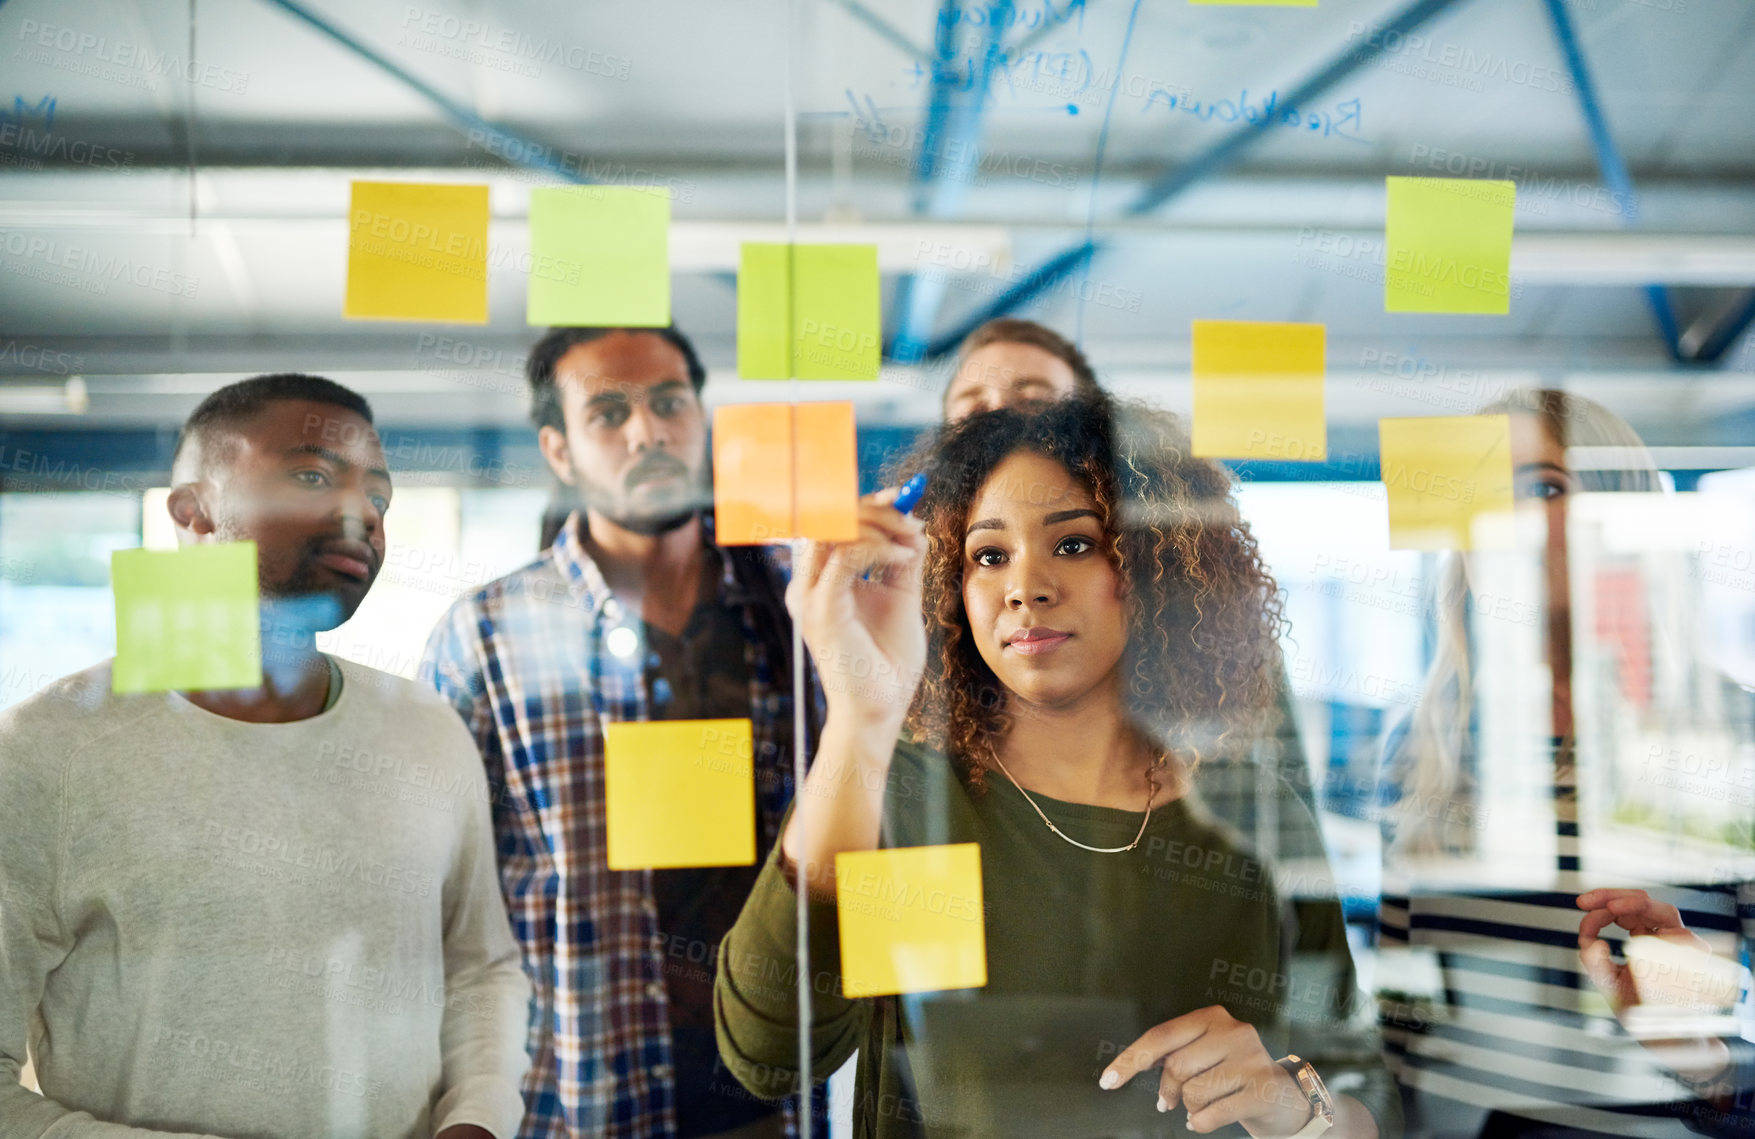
174 181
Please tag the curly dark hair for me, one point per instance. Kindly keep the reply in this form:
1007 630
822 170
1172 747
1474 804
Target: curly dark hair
1203 661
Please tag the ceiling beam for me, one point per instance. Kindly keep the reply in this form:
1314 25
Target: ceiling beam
1075 258
510 145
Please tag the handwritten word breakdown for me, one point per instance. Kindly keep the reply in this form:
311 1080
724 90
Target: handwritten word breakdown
1258 390
911 920
808 312
1340 122
783 471
1449 481
679 793
619 237
1447 245
417 251
186 619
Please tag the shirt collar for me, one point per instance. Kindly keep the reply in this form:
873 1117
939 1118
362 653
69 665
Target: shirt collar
587 582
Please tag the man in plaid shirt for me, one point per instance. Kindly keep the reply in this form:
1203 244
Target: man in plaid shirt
633 613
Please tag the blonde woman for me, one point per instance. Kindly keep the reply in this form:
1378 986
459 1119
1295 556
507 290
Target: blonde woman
1520 1049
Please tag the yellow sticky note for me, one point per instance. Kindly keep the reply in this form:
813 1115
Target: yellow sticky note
808 312
1447 245
1258 390
679 793
783 471
417 251
911 920
600 255
1449 481
186 619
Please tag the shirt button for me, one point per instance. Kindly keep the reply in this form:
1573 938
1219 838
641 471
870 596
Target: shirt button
654 990
661 1071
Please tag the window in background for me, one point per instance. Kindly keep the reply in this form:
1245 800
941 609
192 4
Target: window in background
442 543
1356 613
56 615
1667 755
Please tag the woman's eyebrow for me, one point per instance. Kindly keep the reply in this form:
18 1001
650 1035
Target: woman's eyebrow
1068 516
984 524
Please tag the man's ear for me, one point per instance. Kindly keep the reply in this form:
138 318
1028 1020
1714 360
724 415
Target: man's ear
189 511
553 443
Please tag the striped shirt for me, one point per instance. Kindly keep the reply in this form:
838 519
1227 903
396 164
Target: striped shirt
527 662
1521 1029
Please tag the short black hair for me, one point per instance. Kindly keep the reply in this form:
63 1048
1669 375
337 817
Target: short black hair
539 366
236 404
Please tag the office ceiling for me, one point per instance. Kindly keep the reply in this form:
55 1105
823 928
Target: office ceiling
208 147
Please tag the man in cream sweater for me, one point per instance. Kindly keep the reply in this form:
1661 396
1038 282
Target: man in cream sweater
270 912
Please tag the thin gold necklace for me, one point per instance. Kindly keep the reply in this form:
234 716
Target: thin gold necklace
1069 838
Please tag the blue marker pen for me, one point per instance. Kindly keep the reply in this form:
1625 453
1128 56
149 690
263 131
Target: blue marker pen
911 493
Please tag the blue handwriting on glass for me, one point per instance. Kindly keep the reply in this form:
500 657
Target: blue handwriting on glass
1342 121
1063 74
1007 16
21 110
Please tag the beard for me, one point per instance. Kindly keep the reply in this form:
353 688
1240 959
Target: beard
661 514
297 591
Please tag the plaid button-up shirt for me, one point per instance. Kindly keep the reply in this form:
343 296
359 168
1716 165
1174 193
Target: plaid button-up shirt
526 661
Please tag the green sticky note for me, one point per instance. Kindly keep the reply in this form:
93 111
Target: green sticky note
764 312
808 312
1447 245
186 619
599 255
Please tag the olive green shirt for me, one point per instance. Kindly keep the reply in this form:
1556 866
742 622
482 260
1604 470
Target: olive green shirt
1085 951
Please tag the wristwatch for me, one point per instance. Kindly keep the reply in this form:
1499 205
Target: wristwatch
1322 1105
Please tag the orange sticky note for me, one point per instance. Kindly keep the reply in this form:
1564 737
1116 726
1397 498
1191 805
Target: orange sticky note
679 793
1449 481
1258 390
417 251
752 473
911 920
826 496
783 471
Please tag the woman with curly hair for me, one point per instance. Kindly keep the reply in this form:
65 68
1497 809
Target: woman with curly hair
1098 625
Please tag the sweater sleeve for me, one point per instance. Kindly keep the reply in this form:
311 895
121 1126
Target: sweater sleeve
487 1001
33 939
755 993
1333 1022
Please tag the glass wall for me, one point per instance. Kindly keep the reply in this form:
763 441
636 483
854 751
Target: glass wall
1312 691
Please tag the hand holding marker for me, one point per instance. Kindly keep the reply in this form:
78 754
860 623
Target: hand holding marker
911 493
905 501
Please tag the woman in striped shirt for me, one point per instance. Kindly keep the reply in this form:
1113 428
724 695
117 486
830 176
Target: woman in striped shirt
1530 1036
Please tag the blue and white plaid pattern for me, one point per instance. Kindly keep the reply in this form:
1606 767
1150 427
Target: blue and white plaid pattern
526 662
